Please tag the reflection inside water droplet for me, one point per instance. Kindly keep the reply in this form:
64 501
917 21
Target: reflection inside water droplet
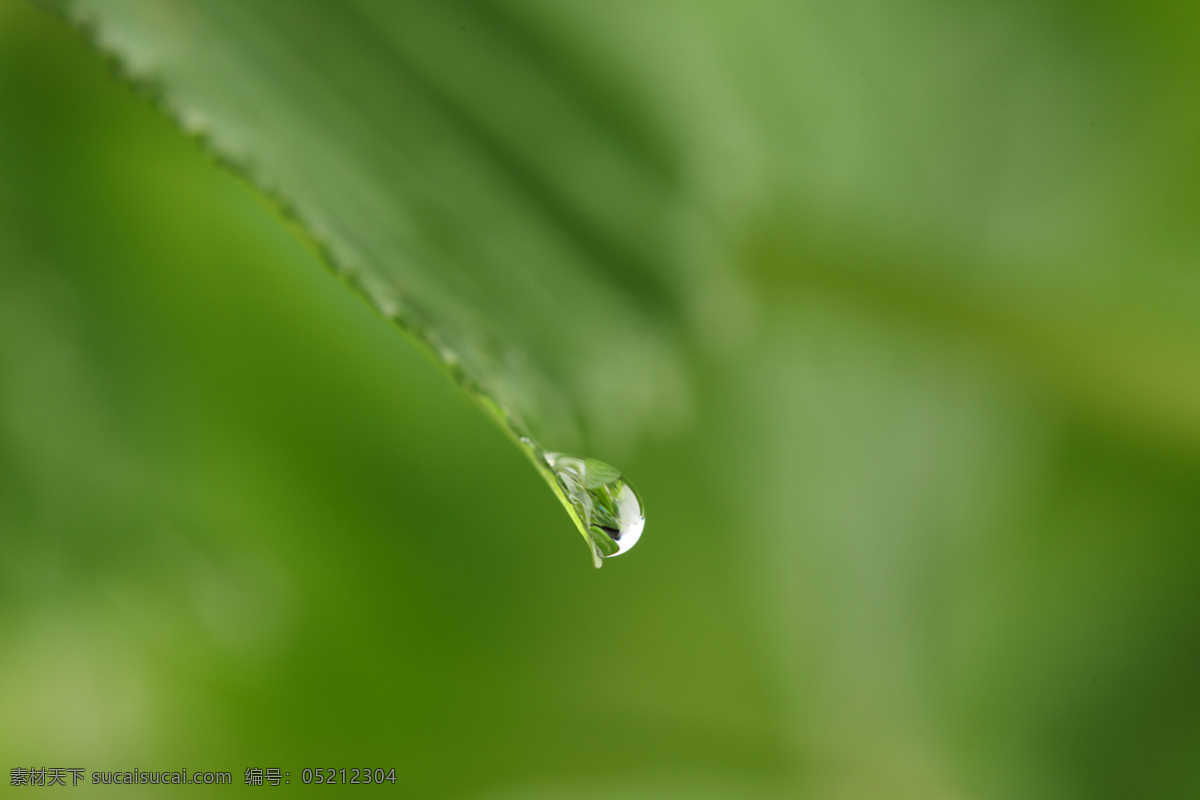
607 507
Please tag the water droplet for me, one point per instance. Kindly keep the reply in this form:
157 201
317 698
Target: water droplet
608 509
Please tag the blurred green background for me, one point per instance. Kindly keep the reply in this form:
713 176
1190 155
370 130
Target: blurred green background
931 530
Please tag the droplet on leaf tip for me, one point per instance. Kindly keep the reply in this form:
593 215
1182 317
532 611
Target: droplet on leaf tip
608 507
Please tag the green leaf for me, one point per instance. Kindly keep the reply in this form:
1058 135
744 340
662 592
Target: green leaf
937 535
485 190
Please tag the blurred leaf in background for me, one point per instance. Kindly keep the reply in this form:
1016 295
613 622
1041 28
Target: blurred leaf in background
888 309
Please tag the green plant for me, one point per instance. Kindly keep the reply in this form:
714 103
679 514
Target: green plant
888 308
